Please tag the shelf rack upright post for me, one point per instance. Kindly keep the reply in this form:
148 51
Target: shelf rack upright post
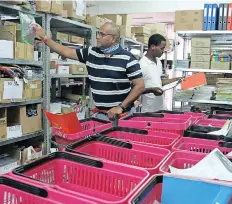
59 24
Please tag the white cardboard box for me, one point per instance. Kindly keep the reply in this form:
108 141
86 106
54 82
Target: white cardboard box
9 52
14 131
62 69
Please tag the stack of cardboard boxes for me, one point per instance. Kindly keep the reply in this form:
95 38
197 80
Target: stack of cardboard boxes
125 28
142 33
96 21
200 53
69 38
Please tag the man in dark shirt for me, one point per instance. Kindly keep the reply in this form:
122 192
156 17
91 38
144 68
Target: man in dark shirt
111 70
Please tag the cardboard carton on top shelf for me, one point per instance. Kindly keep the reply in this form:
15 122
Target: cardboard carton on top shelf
159 28
200 65
29 52
57 7
94 21
200 51
201 42
126 19
3 124
33 123
189 20
125 31
33 90
116 19
20 51
200 58
141 30
43 5
65 14
78 69
220 65
142 38
75 10
7 40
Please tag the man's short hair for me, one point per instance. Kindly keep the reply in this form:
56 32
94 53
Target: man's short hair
156 40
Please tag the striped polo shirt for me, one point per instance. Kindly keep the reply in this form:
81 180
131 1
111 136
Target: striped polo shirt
109 77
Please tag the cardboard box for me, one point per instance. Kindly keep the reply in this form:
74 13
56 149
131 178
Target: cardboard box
10 91
200 51
43 5
95 21
29 154
65 14
200 65
9 52
14 127
57 7
201 42
75 10
126 19
29 52
141 30
212 78
20 51
53 67
62 69
76 39
125 31
3 124
62 36
220 65
189 20
200 58
116 19
159 28
78 69
33 90
142 38
33 123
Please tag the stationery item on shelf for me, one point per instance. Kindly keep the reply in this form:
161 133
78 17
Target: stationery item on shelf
210 12
220 17
193 81
205 20
214 22
229 19
225 16
224 89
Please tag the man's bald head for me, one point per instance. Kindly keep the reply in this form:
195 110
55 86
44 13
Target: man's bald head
113 29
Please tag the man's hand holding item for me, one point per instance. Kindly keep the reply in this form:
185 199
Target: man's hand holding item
158 91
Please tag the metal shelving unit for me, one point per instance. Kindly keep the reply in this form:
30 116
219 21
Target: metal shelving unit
13 10
58 24
220 40
22 138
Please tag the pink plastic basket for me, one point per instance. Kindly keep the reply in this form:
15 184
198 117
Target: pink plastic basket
181 160
201 145
160 125
145 137
90 126
149 192
210 122
13 191
100 181
146 157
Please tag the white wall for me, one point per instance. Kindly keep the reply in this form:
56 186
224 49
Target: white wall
133 6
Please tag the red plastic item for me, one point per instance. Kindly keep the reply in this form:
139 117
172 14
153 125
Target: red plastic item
210 122
146 157
14 191
68 123
200 145
181 160
176 126
90 126
153 138
83 177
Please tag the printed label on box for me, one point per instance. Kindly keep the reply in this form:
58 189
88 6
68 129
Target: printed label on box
14 131
33 86
13 90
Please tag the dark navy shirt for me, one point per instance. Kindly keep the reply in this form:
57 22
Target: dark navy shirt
110 77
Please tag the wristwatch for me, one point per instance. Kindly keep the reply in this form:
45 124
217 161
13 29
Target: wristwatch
123 108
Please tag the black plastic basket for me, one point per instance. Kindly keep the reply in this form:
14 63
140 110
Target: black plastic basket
220 117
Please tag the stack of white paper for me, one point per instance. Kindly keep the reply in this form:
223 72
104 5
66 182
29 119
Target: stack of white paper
214 166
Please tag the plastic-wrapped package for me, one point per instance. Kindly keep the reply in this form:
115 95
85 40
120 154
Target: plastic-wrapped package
27 33
33 74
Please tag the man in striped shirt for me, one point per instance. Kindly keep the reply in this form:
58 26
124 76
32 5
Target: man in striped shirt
115 76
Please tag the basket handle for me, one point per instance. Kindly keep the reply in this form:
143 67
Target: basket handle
150 115
155 181
225 144
169 112
24 187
